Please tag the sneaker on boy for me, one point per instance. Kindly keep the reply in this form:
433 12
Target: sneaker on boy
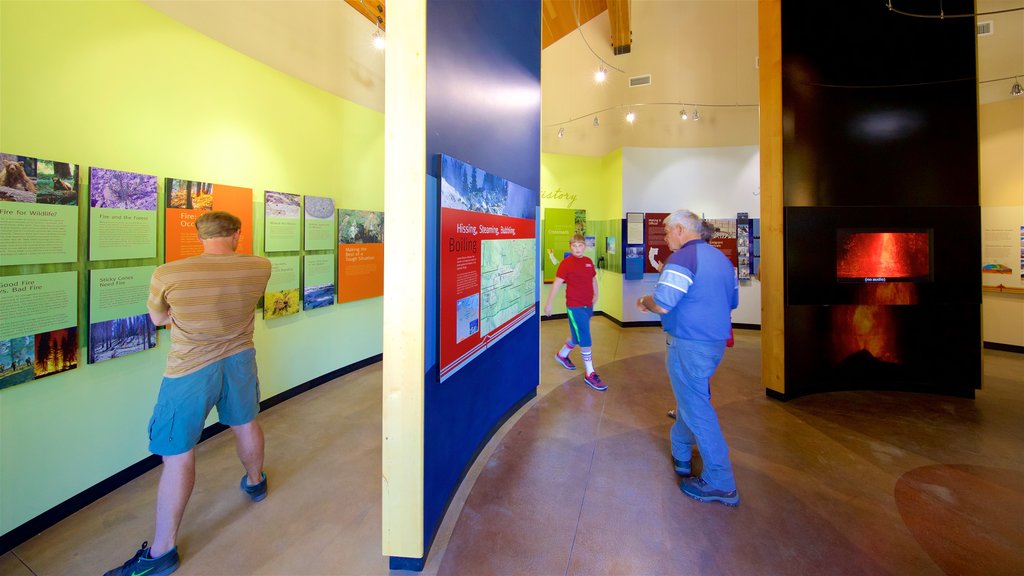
141 564
255 492
594 381
695 487
565 362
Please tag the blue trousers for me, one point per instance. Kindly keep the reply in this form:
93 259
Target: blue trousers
690 365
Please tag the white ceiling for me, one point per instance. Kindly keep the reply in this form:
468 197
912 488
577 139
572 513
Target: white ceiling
697 52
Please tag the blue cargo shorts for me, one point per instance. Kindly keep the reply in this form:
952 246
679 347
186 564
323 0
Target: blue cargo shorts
231 384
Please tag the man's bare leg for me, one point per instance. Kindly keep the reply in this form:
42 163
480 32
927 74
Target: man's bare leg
176 482
249 446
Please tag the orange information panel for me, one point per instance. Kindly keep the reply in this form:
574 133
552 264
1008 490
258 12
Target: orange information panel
187 200
360 271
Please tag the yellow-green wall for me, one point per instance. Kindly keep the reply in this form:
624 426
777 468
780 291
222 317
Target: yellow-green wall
117 85
586 183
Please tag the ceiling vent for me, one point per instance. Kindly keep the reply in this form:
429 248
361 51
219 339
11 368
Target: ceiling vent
636 81
985 28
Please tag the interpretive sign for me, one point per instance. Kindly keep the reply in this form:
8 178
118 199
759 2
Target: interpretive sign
319 223
488 261
187 200
318 286
122 215
38 211
119 322
360 255
282 229
38 326
282 295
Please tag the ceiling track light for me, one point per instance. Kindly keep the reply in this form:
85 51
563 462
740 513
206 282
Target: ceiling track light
561 132
683 115
696 115
601 75
630 116
378 35
596 123
1016 89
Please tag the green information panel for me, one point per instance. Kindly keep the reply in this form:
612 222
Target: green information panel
37 233
36 303
559 226
116 234
118 292
283 225
282 295
318 290
320 232
122 215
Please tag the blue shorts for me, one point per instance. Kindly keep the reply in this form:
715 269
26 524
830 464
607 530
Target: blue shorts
230 384
579 325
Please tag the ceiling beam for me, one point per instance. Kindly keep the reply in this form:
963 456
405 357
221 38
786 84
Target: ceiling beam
373 10
618 16
559 18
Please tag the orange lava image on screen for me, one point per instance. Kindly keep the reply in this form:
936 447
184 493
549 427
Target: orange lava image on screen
882 256
870 329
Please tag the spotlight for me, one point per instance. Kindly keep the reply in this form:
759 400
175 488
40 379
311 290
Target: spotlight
596 123
682 114
378 34
600 75
1016 90
630 117
561 132
696 115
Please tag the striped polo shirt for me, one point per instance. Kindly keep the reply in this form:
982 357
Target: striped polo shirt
212 298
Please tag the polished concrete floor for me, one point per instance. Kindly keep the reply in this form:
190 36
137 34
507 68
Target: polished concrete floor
580 482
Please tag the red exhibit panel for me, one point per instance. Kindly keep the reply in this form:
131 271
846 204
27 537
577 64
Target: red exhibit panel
657 248
488 284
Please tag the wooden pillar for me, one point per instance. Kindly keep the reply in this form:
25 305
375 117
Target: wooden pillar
773 329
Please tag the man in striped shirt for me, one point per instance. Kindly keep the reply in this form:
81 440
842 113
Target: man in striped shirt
696 292
209 300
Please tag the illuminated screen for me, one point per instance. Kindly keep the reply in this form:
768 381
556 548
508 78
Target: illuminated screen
883 256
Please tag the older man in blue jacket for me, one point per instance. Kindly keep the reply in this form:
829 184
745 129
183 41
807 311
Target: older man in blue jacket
696 292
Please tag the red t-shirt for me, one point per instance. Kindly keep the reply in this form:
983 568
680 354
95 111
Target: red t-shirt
578 275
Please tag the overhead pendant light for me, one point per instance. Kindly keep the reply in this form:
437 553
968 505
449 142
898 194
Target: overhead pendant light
683 115
1016 90
601 75
630 116
596 123
561 132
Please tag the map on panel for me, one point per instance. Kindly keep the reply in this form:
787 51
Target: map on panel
506 280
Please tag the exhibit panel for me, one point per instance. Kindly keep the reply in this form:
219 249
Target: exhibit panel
38 211
186 200
282 224
38 326
487 263
122 215
360 254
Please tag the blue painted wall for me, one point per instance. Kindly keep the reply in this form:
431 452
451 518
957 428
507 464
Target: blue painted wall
483 107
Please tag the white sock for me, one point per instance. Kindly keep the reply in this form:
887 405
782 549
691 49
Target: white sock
588 361
566 350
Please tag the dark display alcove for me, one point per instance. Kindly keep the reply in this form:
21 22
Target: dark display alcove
880 193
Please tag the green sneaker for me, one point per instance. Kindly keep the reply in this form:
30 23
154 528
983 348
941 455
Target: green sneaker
142 565
257 492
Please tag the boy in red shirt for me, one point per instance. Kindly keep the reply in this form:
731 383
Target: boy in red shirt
580 278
